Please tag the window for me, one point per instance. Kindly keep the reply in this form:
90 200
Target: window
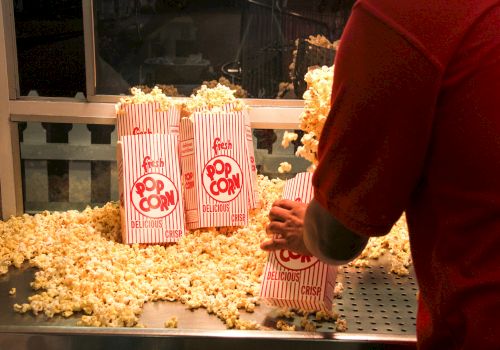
50 48
180 43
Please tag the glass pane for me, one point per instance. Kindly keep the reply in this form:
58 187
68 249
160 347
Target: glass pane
50 49
261 46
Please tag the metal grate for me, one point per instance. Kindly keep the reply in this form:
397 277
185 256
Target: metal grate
375 301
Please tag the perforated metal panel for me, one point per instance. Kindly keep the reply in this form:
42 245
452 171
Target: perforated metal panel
375 301
378 307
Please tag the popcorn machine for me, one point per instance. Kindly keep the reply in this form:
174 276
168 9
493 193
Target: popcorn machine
68 280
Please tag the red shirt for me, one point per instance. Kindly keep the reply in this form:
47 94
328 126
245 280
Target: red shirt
415 127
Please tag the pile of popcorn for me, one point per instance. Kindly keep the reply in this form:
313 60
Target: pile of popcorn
83 268
396 244
168 90
316 108
138 96
238 90
322 41
213 99
316 40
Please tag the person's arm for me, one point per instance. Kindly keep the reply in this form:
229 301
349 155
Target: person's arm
327 239
375 143
311 230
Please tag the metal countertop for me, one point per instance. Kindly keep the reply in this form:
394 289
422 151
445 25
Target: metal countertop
379 308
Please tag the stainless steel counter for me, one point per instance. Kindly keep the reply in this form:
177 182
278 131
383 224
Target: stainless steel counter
380 310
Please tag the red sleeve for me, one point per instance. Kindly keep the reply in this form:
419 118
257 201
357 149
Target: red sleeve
374 143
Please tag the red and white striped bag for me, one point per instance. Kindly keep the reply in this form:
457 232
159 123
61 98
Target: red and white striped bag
251 167
147 118
213 162
294 280
151 207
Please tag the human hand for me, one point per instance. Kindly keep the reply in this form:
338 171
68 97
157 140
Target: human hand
287 227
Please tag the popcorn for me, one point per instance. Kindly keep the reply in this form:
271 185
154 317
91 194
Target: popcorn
286 313
316 109
285 326
322 41
284 167
287 138
307 325
155 96
83 267
238 91
212 99
12 291
341 325
84 271
395 244
171 323
151 113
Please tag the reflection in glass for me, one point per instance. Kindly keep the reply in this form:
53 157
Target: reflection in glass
180 44
50 47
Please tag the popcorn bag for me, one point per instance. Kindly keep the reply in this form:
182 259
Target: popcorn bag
147 119
213 162
254 198
294 280
251 178
151 202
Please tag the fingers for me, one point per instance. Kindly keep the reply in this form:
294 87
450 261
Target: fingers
285 204
274 244
278 214
276 227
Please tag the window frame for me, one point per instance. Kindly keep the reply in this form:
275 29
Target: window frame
95 109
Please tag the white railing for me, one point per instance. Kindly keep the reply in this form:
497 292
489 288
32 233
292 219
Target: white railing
80 153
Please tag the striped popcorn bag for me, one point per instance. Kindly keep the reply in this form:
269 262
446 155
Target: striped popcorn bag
213 163
251 166
146 119
151 207
294 280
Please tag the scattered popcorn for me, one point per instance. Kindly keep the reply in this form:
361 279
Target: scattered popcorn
284 167
307 325
285 313
326 316
285 326
287 138
12 291
83 270
337 291
83 267
341 325
171 323
395 244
